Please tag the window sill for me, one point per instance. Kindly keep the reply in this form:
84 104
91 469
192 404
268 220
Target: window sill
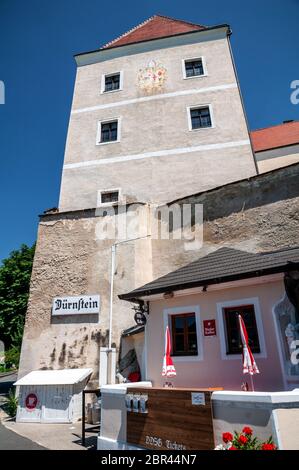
184 355
103 92
108 204
202 129
196 76
232 357
239 353
191 358
110 142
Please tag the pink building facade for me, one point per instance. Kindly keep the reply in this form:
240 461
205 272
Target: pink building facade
206 344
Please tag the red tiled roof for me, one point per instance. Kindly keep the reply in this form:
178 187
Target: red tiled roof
157 26
277 136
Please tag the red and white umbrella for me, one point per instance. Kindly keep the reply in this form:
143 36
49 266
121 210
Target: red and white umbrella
249 364
168 367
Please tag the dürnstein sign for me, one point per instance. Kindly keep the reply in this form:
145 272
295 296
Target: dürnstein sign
76 305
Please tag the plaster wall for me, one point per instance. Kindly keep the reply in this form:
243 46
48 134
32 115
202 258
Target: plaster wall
259 214
268 414
156 121
212 370
256 215
277 158
70 260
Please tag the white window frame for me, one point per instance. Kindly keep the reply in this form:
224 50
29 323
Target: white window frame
200 129
121 82
168 312
99 131
105 191
204 65
222 327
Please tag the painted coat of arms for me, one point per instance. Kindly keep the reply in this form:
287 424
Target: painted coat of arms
152 77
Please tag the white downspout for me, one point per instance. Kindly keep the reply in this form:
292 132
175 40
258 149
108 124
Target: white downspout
113 249
113 256
111 350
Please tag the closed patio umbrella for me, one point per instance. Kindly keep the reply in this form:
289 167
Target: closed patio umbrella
249 364
168 367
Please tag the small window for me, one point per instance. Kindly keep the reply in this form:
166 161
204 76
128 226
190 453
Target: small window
184 337
234 342
194 68
112 82
109 197
200 118
109 131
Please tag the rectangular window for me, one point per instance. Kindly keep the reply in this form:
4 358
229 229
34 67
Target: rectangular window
184 337
200 118
233 337
109 131
112 82
109 197
194 68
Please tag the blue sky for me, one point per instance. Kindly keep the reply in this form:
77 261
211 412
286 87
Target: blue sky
37 41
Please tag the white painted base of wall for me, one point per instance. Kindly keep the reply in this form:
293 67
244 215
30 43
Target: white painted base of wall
110 444
114 414
273 414
107 370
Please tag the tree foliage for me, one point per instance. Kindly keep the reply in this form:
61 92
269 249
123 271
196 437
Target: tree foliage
15 273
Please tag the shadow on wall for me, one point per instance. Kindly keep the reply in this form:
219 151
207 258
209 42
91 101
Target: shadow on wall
257 191
231 414
67 319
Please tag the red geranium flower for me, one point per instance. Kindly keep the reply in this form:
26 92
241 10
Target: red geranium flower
227 437
247 430
232 448
242 439
267 446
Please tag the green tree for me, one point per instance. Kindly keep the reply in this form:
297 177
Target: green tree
15 273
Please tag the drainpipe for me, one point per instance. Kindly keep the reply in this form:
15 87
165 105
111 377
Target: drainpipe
113 250
110 352
113 256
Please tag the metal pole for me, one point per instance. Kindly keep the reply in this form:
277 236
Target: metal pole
113 253
252 386
83 418
113 248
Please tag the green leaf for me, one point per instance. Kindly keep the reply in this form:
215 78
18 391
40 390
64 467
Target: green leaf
15 273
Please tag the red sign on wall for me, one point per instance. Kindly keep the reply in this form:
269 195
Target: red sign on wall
209 327
31 401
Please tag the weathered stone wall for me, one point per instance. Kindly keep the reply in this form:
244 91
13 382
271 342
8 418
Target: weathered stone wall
157 157
256 214
71 260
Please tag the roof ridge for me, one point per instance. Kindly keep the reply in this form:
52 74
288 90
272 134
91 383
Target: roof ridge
179 21
128 32
222 248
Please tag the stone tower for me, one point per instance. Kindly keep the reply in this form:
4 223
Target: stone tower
157 114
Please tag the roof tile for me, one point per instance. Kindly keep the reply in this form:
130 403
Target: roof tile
157 26
277 136
220 266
